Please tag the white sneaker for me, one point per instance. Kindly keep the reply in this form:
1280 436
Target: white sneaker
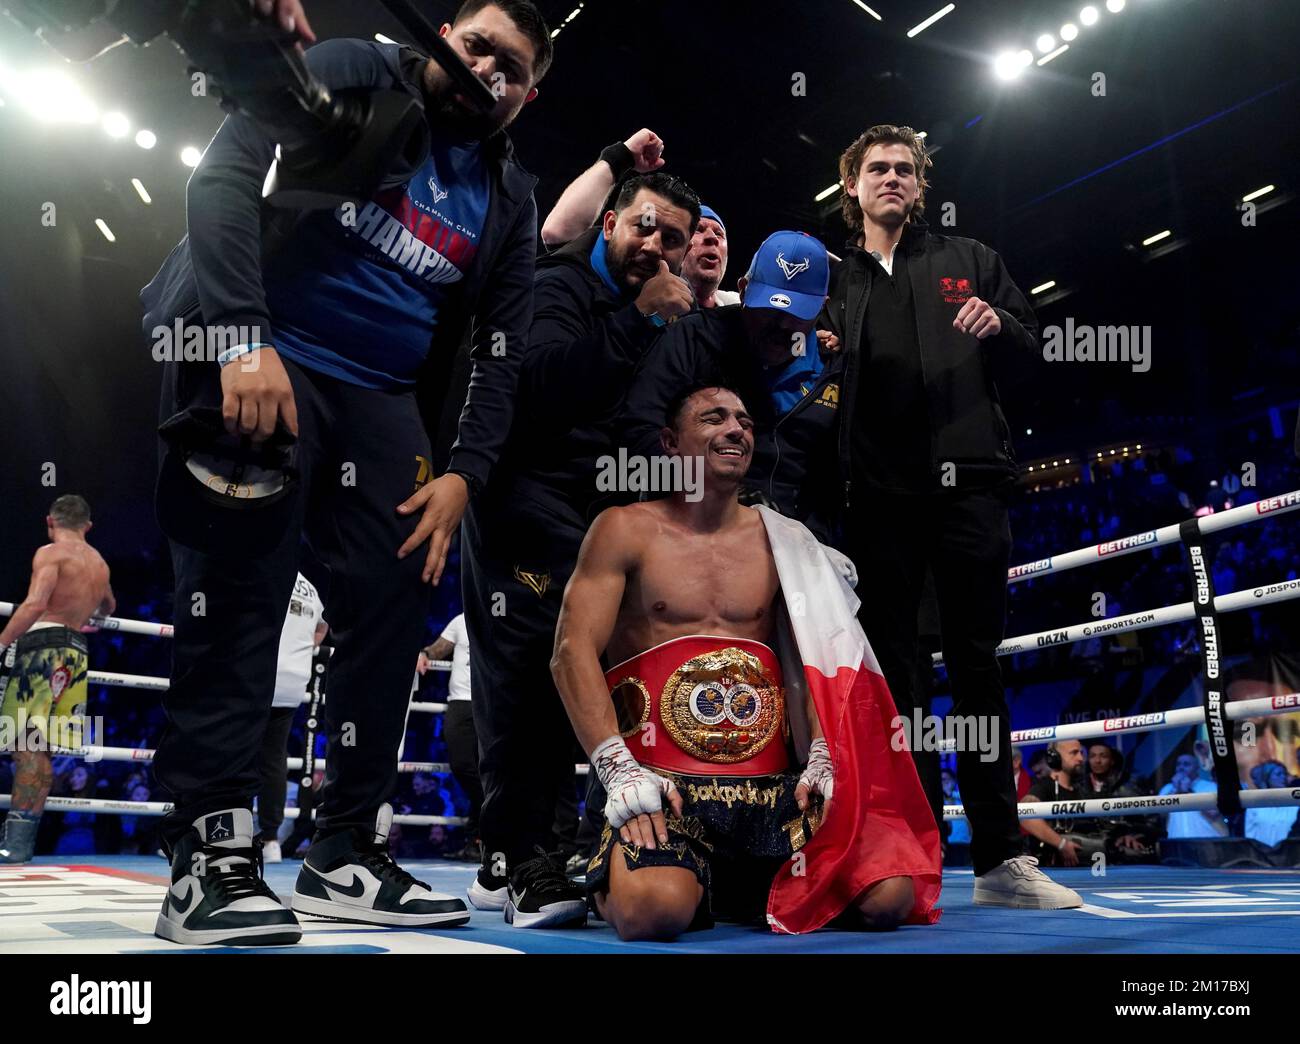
483 898
349 876
271 852
1020 884
217 893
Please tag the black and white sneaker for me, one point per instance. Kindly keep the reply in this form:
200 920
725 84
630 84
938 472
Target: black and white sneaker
349 876
217 894
540 896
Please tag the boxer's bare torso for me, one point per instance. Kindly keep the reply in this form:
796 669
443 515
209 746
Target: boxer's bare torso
681 580
652 572
80 583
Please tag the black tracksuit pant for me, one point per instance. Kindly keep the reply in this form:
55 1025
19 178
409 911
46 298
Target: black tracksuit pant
964 538
359 452
275 775
462 755
527 749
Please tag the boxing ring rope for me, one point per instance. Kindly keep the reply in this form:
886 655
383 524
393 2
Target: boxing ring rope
1225 603
1262 707
94 752
113 623
1111 807
105 806
1149 540
1142 805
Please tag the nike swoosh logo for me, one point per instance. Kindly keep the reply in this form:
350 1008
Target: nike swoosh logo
183 901
354 890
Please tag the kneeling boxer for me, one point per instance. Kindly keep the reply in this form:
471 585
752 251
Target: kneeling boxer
681 594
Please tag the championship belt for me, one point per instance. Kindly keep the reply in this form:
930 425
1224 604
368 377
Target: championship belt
703 706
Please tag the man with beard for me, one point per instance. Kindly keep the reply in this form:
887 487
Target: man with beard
339 366
583 201
1071 842
600 303
1063 842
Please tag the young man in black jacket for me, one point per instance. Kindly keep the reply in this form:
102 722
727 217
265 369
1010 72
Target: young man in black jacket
926 461
599 304
356 313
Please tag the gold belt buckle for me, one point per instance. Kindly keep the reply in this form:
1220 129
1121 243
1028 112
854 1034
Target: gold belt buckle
723 706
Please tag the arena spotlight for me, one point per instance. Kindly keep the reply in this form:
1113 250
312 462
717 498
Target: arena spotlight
1114 6
190 156
1006 66
1069 31
50 95
1045 43
1089 15
146 139
116 125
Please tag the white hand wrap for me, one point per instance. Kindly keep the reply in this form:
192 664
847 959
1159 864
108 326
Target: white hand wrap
630 790
820 773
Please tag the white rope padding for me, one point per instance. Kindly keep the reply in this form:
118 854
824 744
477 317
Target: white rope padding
1269 507
1263 707
1278 797
113 623
93 752
128 681
103 806
1225 603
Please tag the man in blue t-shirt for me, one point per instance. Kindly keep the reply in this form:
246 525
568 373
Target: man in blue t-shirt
357 314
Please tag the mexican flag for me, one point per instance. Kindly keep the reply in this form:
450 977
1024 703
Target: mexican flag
878 823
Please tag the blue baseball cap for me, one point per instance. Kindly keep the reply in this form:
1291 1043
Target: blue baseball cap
709 212
790 272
